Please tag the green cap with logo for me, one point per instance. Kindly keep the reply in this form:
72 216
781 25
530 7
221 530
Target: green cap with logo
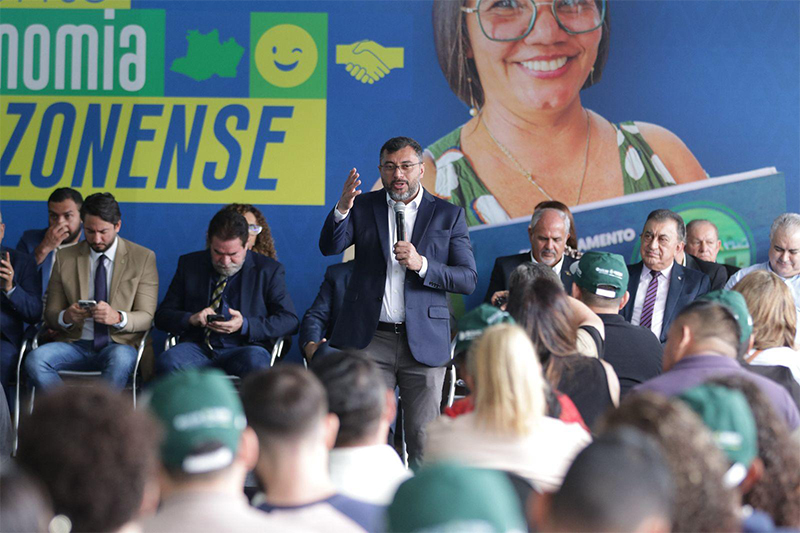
450 497
472 325
601 273
202 417
737 305
727 414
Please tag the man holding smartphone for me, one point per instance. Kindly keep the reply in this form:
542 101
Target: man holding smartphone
101 300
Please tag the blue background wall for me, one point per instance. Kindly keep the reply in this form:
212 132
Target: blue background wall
723 75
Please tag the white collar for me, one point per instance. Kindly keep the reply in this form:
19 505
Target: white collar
666 272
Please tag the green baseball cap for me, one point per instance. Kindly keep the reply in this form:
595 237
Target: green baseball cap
737 305
449 497
202 417
601 273
727 414
472 325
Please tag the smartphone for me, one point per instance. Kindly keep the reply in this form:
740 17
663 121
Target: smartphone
500 301
215 318
87 304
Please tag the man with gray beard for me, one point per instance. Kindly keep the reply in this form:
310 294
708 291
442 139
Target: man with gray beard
228 305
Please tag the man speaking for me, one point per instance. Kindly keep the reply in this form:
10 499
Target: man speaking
395 306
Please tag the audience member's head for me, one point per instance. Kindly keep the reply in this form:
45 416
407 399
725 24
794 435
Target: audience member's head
727 415
227 241
702 240
259 235
737 305
94 454
777 492
784 245
572 239
542 309
64 211
287 406
448 497
24 503
528 272
662 239
102 220
600 280
358 395
701 501
548 233
703 326
508 385
205 439
620 482
772 306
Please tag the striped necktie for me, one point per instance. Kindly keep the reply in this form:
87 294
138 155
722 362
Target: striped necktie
216 304
649 300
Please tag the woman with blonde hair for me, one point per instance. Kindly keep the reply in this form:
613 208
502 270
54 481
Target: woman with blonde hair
508 429
260 236
772 307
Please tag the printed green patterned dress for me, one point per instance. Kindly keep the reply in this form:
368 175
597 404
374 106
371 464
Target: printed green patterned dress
457 182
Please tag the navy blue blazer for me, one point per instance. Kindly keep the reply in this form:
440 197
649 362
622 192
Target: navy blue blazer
265 303
27 244
24 305
685 286
440 234
505 265
318 321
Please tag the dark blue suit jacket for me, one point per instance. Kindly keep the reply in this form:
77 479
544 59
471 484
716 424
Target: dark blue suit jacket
505 265
440 234
685 286
24 305
318 321
27 244
265 304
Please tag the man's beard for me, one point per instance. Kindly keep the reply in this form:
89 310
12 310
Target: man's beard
72 237
229 270
410 193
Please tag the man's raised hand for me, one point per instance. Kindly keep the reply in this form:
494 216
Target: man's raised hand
349 192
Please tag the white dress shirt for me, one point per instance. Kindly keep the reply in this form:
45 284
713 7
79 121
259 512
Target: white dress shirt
393 308
88 324
367 473
661 298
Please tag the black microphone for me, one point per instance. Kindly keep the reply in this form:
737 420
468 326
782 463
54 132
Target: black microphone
400 220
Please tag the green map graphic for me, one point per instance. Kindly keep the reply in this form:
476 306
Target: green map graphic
207 56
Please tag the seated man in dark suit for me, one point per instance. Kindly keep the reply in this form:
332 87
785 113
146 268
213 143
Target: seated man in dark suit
20 303
548 233
64 229
228 305
660 287
703 242
317 324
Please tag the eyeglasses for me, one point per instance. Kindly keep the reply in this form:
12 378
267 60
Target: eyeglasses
389 168
512 20
255 229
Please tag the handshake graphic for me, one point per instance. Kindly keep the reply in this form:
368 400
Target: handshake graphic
368 61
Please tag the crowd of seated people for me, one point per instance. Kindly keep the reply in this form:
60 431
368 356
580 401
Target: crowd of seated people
599 396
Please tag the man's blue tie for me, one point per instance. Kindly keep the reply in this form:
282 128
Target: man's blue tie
100 295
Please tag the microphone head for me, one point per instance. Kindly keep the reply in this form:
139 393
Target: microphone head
399 207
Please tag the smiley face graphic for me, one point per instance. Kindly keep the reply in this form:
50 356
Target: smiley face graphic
286 55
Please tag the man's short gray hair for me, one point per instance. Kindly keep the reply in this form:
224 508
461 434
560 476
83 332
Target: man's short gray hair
698 221
539 213
789 223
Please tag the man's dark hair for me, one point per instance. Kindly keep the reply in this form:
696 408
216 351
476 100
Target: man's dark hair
398 143
777 493
614 484
595 300
356 393
227 225
708 320
283 403
65 193
103 205
93 452
662 215
529 272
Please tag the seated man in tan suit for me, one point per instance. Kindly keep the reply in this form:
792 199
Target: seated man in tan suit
101 299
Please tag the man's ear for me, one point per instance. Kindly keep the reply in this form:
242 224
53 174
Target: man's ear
625 299
754 475
248 448
331 429
576 291
389 407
